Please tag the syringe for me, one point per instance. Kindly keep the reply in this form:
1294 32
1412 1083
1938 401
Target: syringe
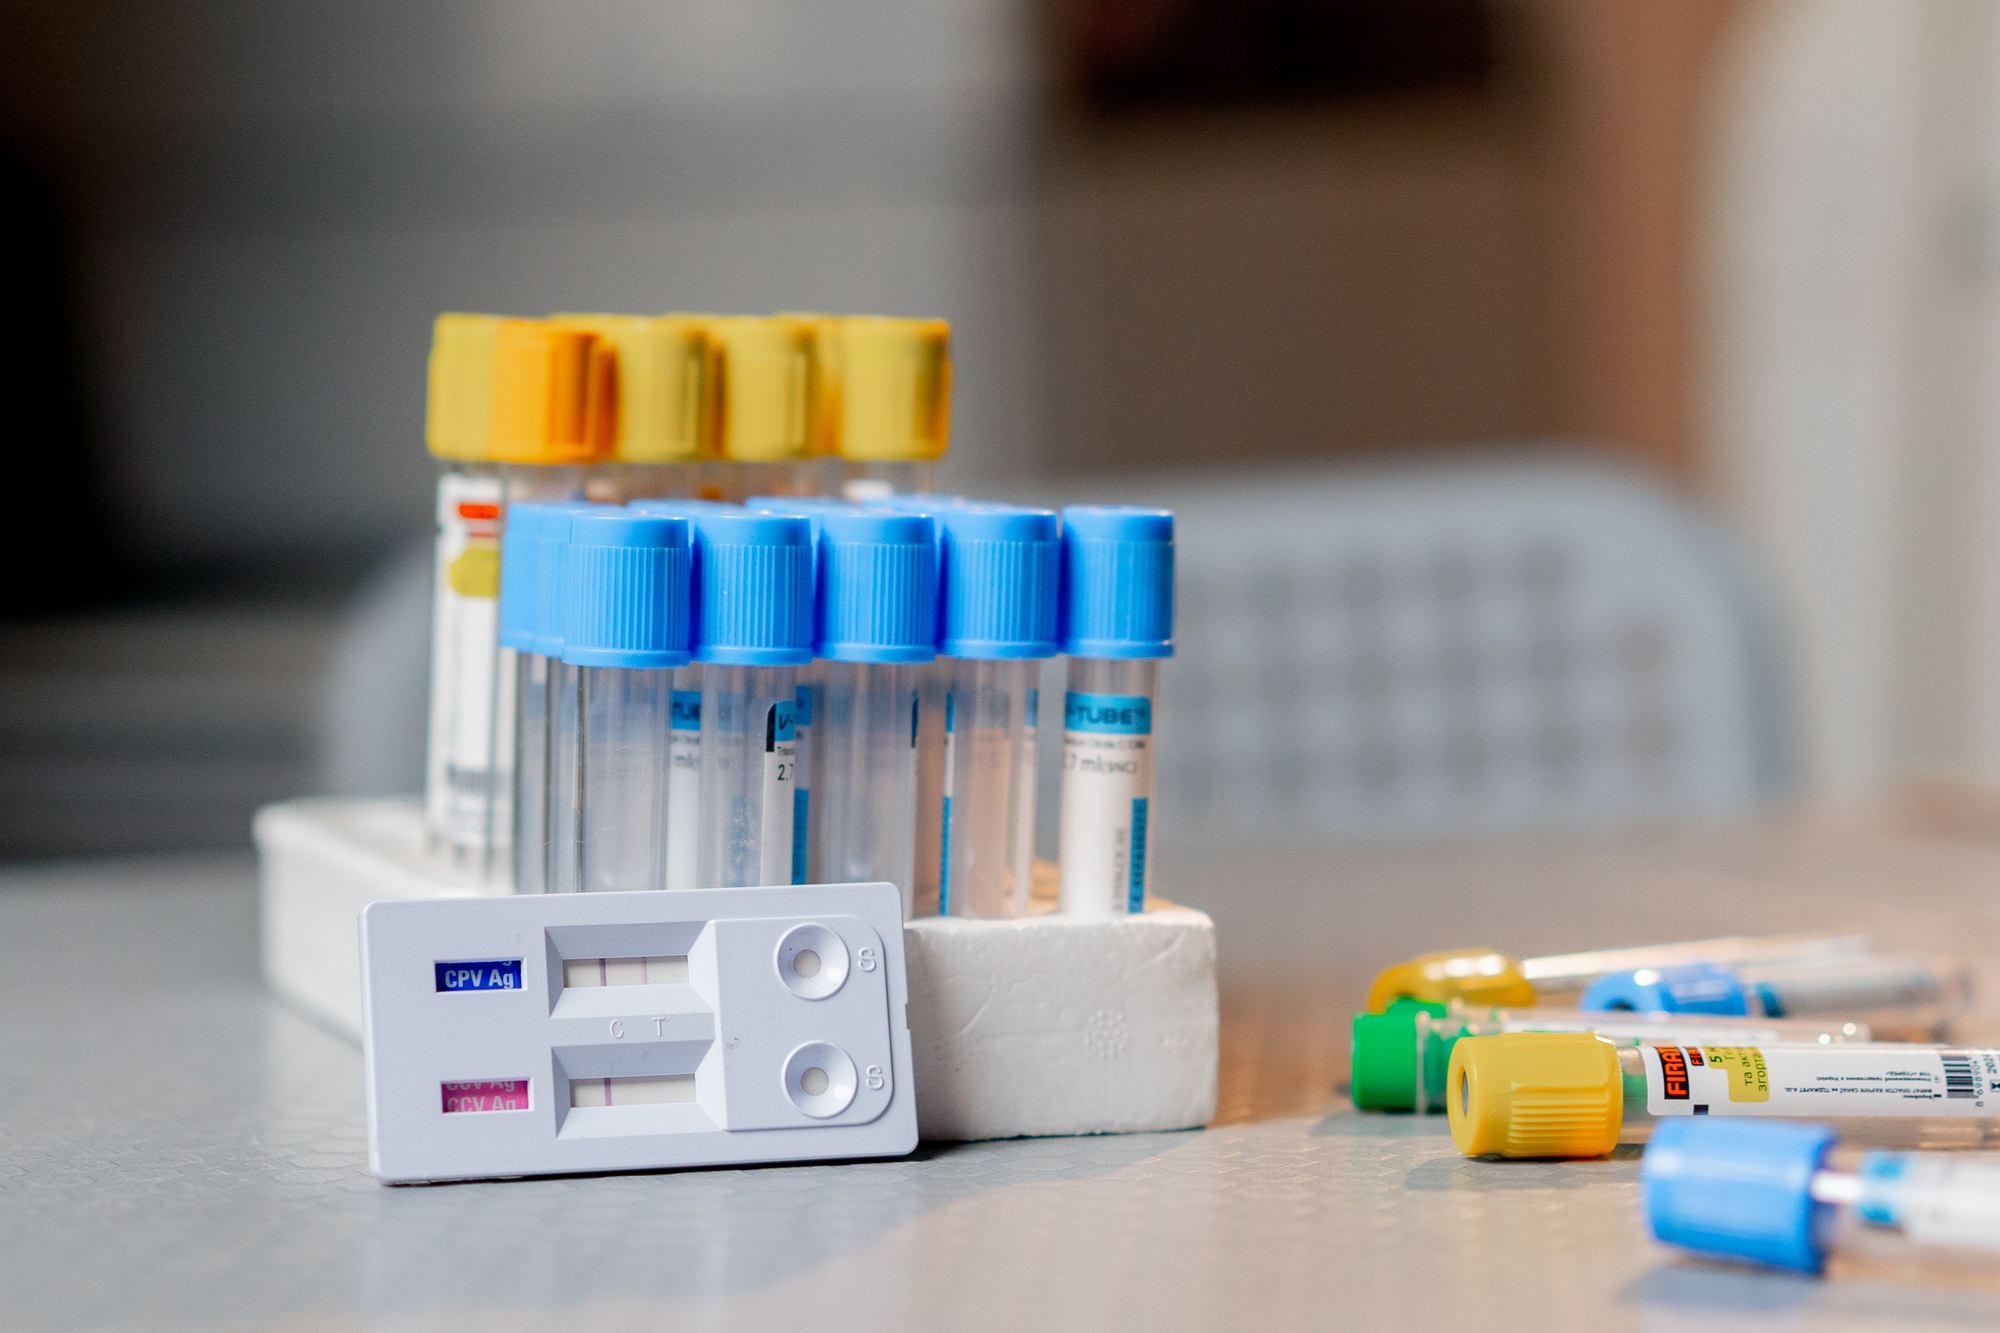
1788 1196
1903 995
1400 1057
1487 976
1556 1094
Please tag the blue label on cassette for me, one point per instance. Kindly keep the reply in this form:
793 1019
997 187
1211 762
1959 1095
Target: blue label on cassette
487 974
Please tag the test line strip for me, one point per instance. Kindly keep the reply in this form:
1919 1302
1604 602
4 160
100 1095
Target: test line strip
589 972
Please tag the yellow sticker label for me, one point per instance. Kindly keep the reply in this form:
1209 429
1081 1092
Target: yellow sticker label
476 573
1749 1081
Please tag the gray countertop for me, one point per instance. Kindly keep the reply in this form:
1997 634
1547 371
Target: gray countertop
178 1150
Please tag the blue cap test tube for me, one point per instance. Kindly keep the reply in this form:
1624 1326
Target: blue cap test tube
999 569
875 627
1787 1195
753 592
625 616
684 729
1117 623
530 567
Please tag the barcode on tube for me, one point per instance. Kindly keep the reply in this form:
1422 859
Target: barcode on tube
1958 1075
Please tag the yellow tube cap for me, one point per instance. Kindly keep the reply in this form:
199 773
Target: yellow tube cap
894 389
555 394
1534 1094
1476 976
661 368
458 418
762 369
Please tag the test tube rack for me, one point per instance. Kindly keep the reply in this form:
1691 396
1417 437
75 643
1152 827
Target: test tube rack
1038 1025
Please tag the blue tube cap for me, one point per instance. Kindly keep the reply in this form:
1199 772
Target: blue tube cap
877 587
753 589
524 551
1117 582
1738 1188
1697 988
625 590
1000 571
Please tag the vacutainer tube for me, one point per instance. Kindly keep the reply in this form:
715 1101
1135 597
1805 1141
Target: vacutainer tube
1899 994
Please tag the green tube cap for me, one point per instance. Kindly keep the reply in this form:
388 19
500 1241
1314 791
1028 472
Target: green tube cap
1386 1060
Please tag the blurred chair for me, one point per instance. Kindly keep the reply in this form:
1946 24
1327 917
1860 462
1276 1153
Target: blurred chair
1458 652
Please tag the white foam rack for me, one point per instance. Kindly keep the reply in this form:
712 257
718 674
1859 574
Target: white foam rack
1035 1026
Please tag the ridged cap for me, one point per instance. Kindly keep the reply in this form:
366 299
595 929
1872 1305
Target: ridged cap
1000 570
626 589
458 414
1738 1187
762 371
877 599
1534 1094
753 586
1477 976
555 394
891 379
663 402
1118 582
1695 988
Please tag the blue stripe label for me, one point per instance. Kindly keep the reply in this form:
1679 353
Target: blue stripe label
805 702
1033 709
686 710
1135 891
780 724
1108 714
489 974
944 863
801 799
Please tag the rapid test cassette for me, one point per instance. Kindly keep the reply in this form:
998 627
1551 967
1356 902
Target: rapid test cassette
548 1033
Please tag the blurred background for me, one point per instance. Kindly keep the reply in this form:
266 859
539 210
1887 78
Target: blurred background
1678 314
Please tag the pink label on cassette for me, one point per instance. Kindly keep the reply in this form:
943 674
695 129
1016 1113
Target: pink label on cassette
507 1094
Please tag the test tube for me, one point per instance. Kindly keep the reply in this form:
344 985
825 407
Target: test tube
1400 1057
1487 976
876 625
529 571
763 374
999 570
1563 1094
1117 623
684 735
460 815
1901 994
1787 1195
753 617
664 418
625 629
888 382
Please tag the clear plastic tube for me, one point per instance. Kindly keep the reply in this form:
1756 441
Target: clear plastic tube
565 690
866 742
933 689
1107 785
748 763
1574 971
1789 1196
619 838
1904 995
684 781
1436 1035
533 738
988 805
805 734
468 765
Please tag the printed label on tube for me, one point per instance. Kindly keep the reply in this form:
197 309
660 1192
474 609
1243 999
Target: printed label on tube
1107 790
1863 1079
683 789
801 789
781 762
468 767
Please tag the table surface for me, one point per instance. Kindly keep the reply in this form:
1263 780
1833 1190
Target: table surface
178 1150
